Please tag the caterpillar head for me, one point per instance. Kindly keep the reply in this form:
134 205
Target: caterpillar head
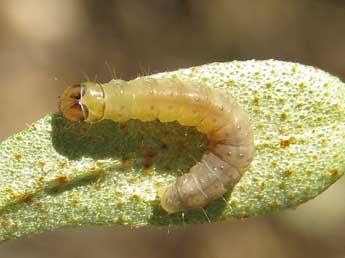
83 102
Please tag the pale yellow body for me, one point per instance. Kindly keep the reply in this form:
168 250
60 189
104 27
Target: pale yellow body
210 111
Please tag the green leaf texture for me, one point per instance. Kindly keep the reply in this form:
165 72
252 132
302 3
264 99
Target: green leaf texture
56 173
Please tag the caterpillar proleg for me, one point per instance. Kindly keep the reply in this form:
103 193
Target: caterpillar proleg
210 111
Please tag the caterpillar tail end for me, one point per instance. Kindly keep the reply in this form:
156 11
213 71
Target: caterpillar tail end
170 200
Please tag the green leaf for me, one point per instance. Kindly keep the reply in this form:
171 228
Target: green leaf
57 173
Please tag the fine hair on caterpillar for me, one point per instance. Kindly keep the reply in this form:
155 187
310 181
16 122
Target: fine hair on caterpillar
210 111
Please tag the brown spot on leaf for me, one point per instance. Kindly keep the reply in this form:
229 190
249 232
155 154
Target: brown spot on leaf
334 173
26 197
285 142
149 157
256 100
283 116
18 156
262 185
62 179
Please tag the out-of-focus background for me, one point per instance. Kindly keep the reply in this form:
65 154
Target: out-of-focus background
46 45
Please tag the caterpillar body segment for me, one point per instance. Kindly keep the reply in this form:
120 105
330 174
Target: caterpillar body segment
210 111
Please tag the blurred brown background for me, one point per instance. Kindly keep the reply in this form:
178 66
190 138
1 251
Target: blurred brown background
46 45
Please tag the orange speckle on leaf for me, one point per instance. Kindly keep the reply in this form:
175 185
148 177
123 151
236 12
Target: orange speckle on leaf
149 157
285 141
62 179
262 185
288 172
256 101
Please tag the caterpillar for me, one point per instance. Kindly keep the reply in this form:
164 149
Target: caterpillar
210 111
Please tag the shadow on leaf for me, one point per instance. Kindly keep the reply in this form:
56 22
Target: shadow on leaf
169 146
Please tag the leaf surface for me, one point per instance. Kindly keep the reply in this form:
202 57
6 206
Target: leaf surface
56 173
